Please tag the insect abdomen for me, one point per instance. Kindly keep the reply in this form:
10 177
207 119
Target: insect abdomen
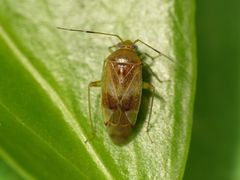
118 126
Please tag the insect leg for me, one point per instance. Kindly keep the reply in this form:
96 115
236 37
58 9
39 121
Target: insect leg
147 55
150 87
92 84
111 47
151 71
160 53
164 55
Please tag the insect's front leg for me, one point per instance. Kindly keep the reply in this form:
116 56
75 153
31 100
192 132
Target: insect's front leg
151 88
110 48
143 55
151 71
90 85
160 53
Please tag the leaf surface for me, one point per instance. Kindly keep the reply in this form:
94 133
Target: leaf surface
44 75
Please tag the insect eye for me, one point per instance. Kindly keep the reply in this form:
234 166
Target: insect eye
134 47
120 45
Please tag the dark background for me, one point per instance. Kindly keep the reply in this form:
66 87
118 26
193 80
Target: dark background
215 145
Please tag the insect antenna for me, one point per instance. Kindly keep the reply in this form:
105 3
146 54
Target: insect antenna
160 53
92 32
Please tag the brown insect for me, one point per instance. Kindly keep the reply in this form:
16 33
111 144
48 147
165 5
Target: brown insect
121 86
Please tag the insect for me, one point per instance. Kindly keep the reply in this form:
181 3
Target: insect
121 87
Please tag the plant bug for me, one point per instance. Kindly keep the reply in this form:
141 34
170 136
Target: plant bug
121 86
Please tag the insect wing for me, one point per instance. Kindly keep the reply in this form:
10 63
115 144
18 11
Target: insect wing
109 95
121 101
132 96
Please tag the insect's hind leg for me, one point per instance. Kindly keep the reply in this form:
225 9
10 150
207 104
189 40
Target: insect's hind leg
90 85
150 87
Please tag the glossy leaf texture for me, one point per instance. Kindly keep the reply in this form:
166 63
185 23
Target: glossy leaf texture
44 75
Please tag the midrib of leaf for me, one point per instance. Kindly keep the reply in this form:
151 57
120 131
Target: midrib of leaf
68 116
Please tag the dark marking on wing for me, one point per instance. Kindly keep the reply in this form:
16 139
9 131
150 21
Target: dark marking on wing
130 103
109 101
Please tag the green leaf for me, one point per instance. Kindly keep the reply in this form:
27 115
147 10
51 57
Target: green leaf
44 75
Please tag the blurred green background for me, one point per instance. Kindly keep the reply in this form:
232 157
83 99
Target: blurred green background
215 145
